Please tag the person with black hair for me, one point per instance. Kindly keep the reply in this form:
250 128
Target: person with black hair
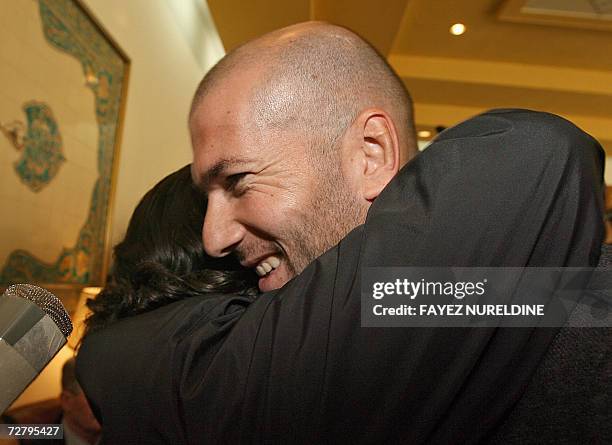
159 265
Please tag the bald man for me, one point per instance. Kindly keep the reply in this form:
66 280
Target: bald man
294 136
298 138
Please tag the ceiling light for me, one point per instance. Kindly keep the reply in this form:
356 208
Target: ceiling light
457 29
424 134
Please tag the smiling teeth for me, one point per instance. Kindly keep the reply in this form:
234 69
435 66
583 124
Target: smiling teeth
266 266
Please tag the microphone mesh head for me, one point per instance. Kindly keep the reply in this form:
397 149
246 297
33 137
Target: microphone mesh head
45 300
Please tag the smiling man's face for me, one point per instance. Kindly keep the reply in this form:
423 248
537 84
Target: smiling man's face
267 202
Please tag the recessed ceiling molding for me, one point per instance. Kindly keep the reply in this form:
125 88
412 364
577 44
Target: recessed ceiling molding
503 74
590 9
585 14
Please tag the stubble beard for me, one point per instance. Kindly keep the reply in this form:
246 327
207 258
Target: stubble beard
332 212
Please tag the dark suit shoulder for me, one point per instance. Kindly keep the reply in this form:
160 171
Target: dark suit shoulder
133 363
173 321
523 123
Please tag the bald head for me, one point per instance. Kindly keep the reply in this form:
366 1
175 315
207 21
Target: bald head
315 76
295 135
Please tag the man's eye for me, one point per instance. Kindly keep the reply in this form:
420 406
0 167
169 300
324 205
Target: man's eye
232 181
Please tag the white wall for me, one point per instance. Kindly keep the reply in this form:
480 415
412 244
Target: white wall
162 38
159 37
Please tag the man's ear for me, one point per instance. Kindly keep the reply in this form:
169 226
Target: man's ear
379 152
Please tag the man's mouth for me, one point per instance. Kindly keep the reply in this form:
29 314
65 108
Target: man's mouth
272 269
267 265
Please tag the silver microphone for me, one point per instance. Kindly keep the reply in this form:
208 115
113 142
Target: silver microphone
33 328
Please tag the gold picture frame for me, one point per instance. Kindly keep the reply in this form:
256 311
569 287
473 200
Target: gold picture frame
55 140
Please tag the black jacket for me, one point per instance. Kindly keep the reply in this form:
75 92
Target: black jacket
506 188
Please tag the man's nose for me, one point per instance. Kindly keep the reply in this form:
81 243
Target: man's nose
221 233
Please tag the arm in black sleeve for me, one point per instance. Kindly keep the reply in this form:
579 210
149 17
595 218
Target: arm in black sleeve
507 188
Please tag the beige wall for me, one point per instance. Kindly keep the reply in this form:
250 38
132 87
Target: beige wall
165 71
170 43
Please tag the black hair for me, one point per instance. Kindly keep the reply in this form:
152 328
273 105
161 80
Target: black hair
162 259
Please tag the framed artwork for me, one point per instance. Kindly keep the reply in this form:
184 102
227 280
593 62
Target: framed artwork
63 84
